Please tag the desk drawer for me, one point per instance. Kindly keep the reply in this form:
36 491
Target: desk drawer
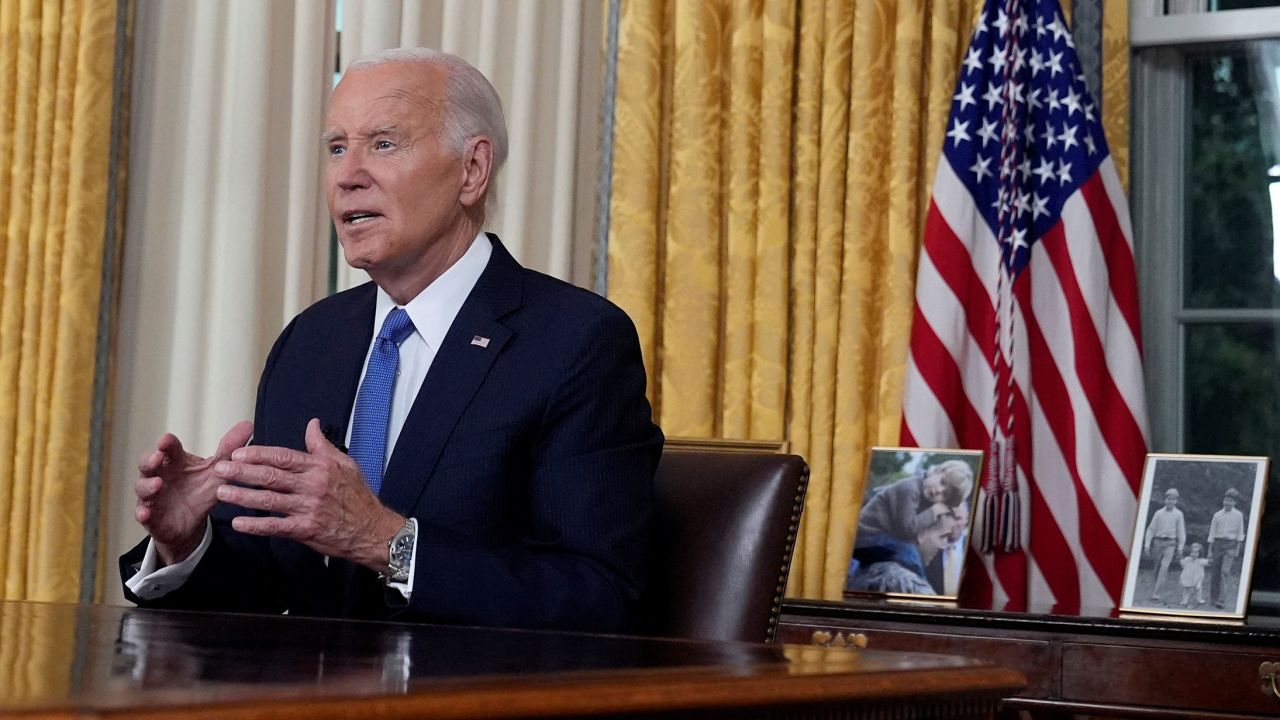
1223 679
1035 659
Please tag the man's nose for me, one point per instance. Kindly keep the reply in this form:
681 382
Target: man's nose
351 173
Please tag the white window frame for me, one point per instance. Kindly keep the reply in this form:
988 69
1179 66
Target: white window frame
1158 164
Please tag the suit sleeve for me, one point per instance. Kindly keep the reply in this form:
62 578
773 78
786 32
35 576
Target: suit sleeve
581 562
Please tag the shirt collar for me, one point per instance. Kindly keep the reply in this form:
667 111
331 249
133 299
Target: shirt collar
434 309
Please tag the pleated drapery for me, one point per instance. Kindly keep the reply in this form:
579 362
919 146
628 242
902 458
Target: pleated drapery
771 169
57 79
534 53
227 232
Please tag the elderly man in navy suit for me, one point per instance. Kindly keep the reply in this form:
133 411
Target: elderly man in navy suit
502 450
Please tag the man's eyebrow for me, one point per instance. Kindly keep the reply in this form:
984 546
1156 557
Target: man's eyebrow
335 135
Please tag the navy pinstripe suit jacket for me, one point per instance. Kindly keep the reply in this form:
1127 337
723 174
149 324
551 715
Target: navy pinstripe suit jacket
528 464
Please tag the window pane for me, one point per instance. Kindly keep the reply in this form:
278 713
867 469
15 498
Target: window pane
1231 165
1233 408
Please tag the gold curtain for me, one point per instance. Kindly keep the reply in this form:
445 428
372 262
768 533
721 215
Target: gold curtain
772 162
57 63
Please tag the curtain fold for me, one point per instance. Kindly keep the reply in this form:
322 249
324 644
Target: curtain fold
772 165
57 64
533 53
227 231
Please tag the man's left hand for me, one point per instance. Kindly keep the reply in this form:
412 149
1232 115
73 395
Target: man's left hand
321 494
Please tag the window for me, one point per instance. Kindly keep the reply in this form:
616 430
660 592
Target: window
1206 208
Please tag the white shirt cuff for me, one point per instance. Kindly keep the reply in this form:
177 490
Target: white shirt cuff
150 583
406 588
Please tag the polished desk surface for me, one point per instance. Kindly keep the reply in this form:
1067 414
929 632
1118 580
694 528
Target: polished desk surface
62 661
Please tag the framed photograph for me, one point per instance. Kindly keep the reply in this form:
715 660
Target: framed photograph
913 527
1196 536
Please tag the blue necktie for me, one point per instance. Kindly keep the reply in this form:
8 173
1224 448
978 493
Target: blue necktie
373 402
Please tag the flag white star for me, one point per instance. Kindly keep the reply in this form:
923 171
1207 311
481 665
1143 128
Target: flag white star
988 132
1019 238
982 26
997 59
1022 203
1039 206
1015 92
1059 31
965 96
1090 144
1055 64
992 96
1029 132
1040 28
1064 172
1068 137
1001 23
1054 102
1045 171
1020 24
1072 101
973 60
1049 138
1024 168
1019 59
1088 112
1036 62
981 168
958 132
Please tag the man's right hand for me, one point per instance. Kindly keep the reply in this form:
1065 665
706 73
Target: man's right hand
176 490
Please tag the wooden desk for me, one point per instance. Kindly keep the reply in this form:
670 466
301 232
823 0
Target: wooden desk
1091 663
67 661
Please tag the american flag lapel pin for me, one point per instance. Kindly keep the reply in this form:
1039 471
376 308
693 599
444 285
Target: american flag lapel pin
480 341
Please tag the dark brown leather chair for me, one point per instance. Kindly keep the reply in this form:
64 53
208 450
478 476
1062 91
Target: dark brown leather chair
725 526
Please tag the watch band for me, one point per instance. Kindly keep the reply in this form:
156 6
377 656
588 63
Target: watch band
400 554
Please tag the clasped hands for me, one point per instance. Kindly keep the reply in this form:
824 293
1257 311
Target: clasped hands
320 497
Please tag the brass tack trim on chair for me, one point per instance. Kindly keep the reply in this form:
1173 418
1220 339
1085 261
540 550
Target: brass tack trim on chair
797 507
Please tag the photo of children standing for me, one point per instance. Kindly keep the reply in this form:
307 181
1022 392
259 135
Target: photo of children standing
1196 535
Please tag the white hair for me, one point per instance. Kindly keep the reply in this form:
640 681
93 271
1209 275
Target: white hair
471 106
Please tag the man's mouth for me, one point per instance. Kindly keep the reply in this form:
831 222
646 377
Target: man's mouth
356 217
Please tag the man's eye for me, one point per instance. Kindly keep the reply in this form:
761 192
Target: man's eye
383 145
337 150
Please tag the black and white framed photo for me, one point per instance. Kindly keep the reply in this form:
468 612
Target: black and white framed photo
1196 535
914 524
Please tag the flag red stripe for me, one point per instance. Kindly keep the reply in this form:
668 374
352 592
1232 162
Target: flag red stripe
1116 424
954 264
1054 401
941 374
1046 541
1121 273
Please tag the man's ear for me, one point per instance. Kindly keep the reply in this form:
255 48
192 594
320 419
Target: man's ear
477 166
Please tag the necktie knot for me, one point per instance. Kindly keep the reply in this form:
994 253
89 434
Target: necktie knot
396 327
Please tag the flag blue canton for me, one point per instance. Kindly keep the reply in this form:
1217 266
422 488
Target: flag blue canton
1023 133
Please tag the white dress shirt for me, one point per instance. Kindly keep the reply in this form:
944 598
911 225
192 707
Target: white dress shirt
432 312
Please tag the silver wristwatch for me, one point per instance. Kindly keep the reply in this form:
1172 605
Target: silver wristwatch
400 554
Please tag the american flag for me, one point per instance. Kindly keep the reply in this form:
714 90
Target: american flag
1026 340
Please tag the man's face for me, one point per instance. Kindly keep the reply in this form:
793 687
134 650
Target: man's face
392 186
1228 503
1170 501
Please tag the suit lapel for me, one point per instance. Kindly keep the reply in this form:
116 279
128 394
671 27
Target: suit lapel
459 368
346 349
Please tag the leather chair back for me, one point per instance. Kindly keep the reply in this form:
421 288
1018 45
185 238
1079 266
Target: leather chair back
725 527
